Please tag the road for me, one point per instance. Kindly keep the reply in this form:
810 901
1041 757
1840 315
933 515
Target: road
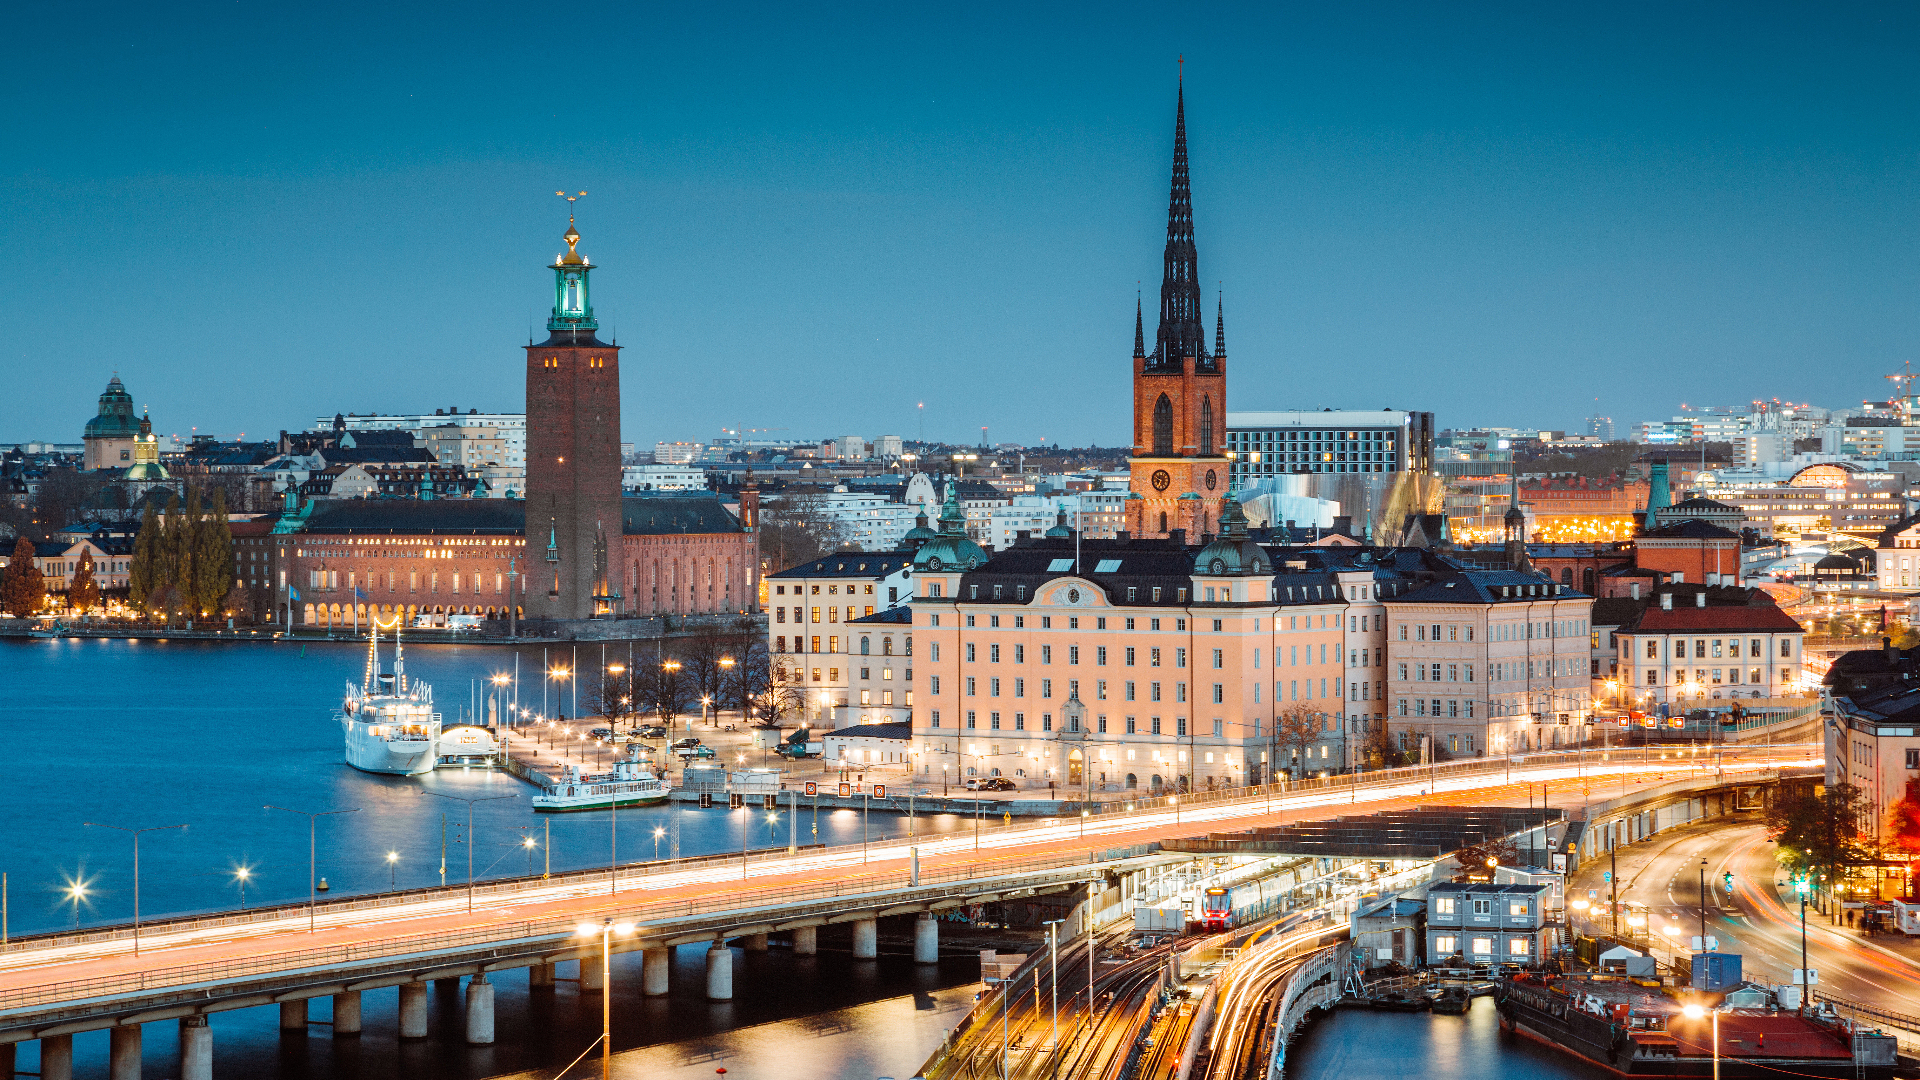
1758 920
841 869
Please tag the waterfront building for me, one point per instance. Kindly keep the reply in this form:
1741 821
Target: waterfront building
108 437
1485 923
880 667
1692 645
813 626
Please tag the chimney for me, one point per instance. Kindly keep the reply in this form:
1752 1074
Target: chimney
1633 590
1700 598
1666 601
1178 536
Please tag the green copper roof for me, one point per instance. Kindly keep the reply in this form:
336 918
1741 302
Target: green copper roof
115 419
950 549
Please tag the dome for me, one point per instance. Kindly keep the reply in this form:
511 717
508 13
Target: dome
1232 553
950 549
1060 531
919 534
1836 562
115 419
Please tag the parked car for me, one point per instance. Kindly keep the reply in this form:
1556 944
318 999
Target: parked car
601 733
990 783
653 731
689 752
682 744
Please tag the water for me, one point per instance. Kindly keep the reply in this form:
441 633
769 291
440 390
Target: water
138 734
1362 1043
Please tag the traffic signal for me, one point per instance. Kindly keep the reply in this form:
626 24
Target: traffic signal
1800 885
1727 880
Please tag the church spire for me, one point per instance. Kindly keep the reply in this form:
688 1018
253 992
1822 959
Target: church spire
1181 333
1139 331
1219 329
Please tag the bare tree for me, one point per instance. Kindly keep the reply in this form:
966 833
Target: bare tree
64 497
1296 728
613 697
700 660
782 694
795 527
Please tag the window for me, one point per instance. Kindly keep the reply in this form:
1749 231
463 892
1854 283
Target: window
1153 657
1517 946
970 653
993 654
1483 907
1129 656
993 687
1445 905
1100 655
970 686
1913 759
1517 909
1130 696
1046 654
1445 945
1219 658
1153 691
1483 946
993 720
1786 648
1073 654
1219 693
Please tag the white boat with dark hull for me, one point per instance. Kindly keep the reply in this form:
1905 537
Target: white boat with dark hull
630 783
390 725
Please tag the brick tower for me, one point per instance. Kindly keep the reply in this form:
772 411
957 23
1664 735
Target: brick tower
1179 469
573 453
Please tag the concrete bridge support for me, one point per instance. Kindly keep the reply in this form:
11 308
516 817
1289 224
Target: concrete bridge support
196 1049
655 966
413 1010
293 1015
806 941
926 939
8 1054
123 1054
754 943
540 977
590 980
866 939
346 1013
719 972
56 1057
479 1011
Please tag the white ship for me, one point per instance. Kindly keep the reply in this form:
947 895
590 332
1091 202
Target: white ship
630 783
390 725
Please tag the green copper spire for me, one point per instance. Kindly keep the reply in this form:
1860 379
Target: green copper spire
572 308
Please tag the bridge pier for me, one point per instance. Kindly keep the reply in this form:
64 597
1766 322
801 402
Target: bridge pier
754 943
196 1049
719 972
56 1057
479 1011
293 1015
866 939
123 1054
413 1010
806 941
540 977
8 1053
655 965
926 939
590 980
346 1013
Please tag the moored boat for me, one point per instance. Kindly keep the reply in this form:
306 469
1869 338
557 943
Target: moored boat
630 783
389 724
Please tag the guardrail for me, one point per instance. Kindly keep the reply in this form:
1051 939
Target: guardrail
739 903
1906 1029
1305 992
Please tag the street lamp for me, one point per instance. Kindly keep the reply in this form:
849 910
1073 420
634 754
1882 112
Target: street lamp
135 833
393 872
529 843
606 929
469 802
76 895
1695 1012
240 876
312 822
658 832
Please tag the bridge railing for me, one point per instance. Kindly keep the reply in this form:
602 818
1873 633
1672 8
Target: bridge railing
742 906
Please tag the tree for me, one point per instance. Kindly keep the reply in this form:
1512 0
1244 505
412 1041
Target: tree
1381 749
782 693
613 697
176 552
1295 728
213 557
1476 861
145 573
1818 831
795 527
1903 823
23 590
65 495
84 594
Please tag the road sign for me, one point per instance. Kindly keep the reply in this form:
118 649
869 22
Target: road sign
1606 876
1593 894
846 790
813 788
879 791
1808 976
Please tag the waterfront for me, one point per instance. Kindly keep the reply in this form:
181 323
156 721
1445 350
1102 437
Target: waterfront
136 734
1350 1043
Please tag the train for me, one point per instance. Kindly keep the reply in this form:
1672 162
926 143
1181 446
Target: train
1216 909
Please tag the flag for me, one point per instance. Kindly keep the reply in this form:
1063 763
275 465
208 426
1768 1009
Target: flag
295 592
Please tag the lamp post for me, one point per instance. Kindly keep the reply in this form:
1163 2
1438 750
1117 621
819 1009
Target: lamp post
76 895
393 871
469 802
240 876
135 833
312 824
616 669
606 929
1801 886
1695 1012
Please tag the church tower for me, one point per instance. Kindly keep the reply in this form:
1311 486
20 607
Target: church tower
573 452
1179 468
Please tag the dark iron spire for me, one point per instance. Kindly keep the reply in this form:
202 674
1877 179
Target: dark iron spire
1181 332
1139 331
1219 329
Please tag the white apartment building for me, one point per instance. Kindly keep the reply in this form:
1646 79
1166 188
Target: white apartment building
659 477
1687 653
1098 515
812 624
677 453
1265 444
511 428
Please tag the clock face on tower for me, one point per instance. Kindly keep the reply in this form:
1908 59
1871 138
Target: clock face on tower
1161 479
1211 480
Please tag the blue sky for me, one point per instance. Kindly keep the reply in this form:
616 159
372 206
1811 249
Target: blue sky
816 218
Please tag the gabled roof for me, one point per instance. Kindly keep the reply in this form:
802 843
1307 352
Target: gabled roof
1487 587
1759 620
1701 502
1691 529
491 517
901 615
1615 610
893 729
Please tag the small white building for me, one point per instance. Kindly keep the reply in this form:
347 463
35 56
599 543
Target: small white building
658 477
869 746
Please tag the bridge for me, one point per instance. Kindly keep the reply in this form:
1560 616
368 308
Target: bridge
117 979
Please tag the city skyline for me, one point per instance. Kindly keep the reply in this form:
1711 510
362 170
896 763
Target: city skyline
1707 209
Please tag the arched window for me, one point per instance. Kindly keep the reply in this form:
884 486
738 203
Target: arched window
1586 580
1163 427
1566 575
864 643
1163 521
1206 426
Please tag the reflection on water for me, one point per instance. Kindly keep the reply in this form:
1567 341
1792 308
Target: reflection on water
1350 1043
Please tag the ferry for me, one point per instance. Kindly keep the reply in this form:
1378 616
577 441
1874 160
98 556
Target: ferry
630 783
1624 1028
390 724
